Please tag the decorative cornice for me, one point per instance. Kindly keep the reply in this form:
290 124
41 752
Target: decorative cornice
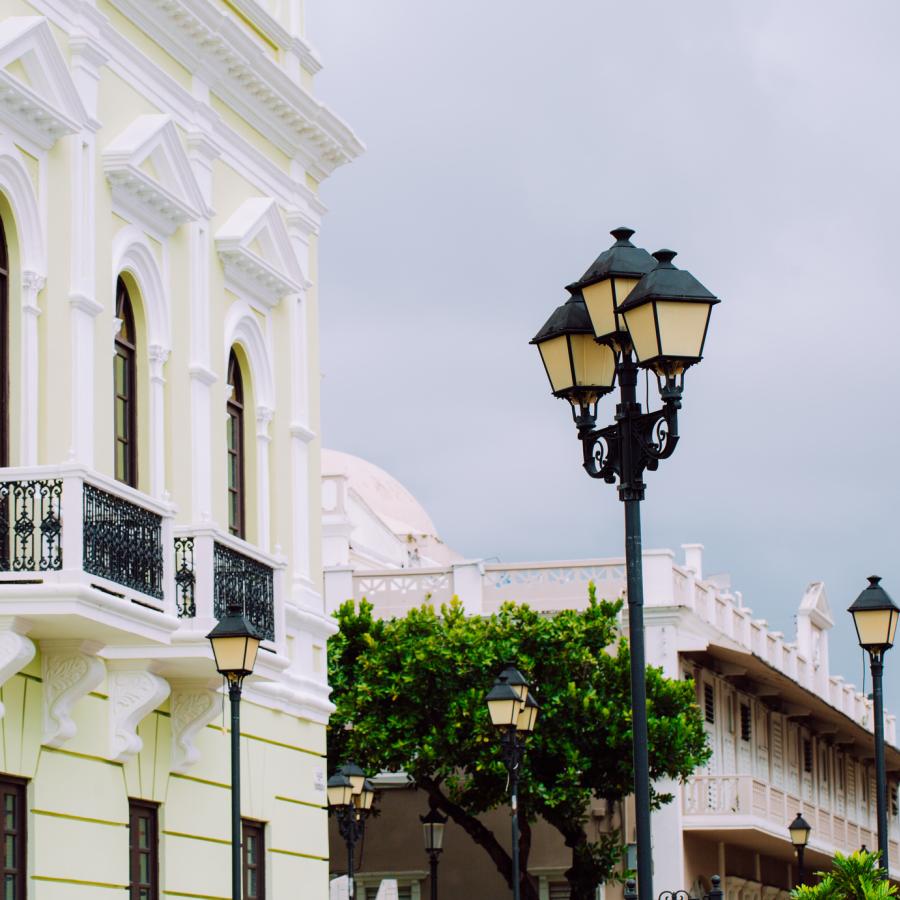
86 304
48 106
133 693
163 200
215 47
70 670
300 431
201 373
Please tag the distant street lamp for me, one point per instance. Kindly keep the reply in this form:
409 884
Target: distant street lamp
433 831
799 830
235 642
350 798
875 617
629 311
513 712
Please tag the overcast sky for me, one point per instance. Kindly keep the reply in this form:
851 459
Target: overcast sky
505 138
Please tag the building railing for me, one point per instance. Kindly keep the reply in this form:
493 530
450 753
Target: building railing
247 583
737 797
31 525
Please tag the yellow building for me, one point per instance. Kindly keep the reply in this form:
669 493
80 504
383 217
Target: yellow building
159 168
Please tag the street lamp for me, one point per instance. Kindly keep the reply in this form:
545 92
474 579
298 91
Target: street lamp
513 711
799 831
350 798
875 617
235 642
630 310
433 829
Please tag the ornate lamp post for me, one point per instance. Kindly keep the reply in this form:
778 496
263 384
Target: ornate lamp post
630 310
513 712
799 831
433 830
875 617
235 642
350 798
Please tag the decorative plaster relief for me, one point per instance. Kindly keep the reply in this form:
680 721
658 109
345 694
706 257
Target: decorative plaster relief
70 670
133 693
151 175
38 97
194 705
16 651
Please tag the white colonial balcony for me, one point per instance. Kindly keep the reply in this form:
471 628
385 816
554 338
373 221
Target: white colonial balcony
84 557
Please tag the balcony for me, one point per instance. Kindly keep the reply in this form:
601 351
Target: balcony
84 556
743 802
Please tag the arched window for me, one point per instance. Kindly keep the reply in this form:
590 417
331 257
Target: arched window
4 349
125 376
236 481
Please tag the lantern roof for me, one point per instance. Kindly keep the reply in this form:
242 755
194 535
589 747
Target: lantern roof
667 282
622 260
874 597
570 318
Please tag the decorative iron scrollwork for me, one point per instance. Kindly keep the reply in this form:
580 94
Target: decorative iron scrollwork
185 578
245 582
31 526
122 542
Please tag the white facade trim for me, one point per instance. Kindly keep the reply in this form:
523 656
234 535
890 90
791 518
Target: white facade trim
133 693
151 176
16 650
70 670
242 327
193 706
45 105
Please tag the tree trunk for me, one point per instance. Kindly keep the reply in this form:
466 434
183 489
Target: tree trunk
482 836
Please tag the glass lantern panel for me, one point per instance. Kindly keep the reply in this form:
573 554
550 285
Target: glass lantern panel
504 712
875 627
599 301
555 354
595 364
682 327
642 327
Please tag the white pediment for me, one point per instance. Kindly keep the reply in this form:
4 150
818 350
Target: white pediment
151 176
815 605
257 254
38 98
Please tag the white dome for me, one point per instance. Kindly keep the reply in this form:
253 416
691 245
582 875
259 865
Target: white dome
381 492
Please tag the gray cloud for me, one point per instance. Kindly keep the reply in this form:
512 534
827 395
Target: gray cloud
504 140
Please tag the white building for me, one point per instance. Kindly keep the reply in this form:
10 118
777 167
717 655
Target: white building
786 734
159 218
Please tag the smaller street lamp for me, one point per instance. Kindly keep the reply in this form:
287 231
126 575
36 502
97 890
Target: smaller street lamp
875 616
513 711
235 643
433 831
350 798
799 830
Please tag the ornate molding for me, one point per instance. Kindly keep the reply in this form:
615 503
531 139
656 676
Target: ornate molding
264 415
70 670
133 693
16 651
43 104
193 706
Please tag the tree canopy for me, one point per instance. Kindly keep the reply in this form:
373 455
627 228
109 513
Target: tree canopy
854 877
410 696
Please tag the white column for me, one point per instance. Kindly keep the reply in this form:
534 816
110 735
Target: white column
83 312
264 498
158 356
32 285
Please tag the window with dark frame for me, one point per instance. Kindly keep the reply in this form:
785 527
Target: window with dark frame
143 850
14 836
746 722
4 348
807 755
125 387
709 703
236 481
253 851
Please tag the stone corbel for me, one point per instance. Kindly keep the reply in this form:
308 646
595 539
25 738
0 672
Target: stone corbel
193 706
16 650
70 670
133 694
158 356
263 419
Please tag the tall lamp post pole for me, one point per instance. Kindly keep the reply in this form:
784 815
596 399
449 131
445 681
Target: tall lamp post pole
235 642
799 831
350 798
875 617
433 829
629 311
513 712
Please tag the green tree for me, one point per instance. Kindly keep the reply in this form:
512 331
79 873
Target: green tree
410 696
854 877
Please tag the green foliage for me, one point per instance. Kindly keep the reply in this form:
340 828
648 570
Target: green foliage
854 877
410 696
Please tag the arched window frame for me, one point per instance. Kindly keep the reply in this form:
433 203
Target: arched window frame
4 347
125 459
237 481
